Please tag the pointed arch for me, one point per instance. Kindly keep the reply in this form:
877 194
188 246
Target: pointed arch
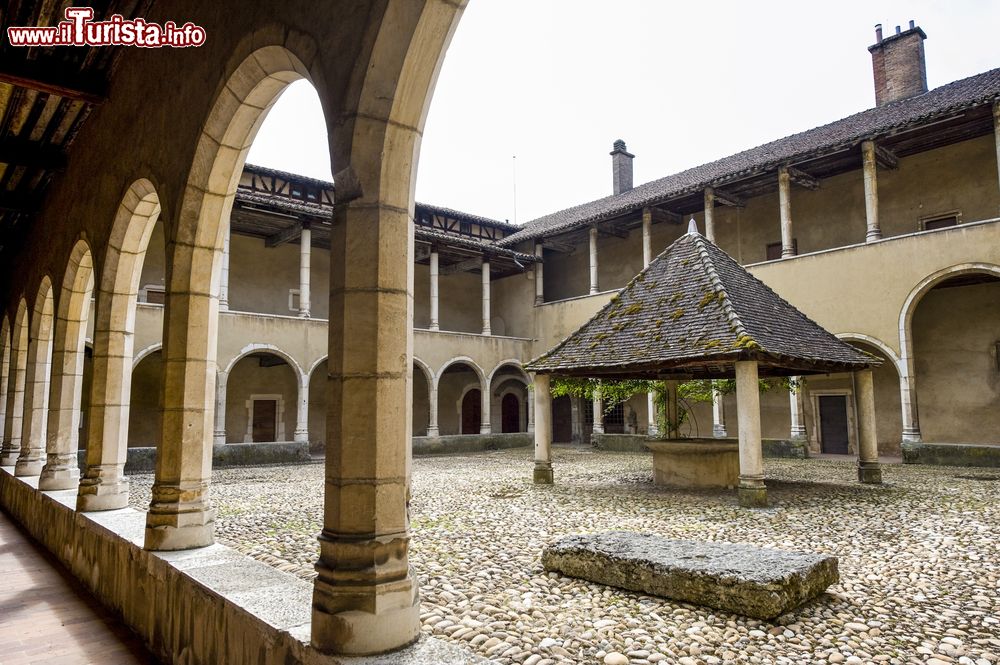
103 485
36 392
17 369
61 470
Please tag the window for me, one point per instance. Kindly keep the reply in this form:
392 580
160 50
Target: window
465 228
939 221
154 294
616 416
773 251
293 300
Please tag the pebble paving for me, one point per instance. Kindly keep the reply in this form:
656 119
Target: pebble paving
919 557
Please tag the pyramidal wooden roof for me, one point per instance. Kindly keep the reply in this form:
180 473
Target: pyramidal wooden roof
692 313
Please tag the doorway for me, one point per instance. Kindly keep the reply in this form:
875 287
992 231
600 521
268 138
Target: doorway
833 424
472 412
265 420
510 414
562 420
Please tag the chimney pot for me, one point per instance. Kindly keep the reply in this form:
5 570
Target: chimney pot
878 32
621 168
897 29
911 24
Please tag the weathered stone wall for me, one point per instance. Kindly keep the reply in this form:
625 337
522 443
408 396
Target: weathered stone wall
469 443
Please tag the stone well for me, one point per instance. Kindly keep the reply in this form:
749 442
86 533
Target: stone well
695 462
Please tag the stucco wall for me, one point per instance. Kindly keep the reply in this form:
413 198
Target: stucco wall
248 378
144 414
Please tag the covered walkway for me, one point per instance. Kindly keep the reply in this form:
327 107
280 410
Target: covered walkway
46 617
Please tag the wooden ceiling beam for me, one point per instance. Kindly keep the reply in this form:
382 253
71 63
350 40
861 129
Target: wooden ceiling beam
666 216
886 158
557 246
802 179
53 78
611 230
728 199
462 266
32 153
287 235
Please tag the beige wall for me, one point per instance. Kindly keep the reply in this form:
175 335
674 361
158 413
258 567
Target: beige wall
144 414
452 385
248 378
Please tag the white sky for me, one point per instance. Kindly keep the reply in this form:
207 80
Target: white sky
555 82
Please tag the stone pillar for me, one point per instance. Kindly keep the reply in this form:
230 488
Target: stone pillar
305 261
798 429
870 164
301 433
365 596
908 395
16 379
710 214
752 491
718 414
36 405
531 414
61 470
219 437
543 430
433 428
435 322
539 274
652 427
672 410
868 466
224 281
598 414
785 210
996 133
104 485
593 260
486 298
180 514
647 239
485 426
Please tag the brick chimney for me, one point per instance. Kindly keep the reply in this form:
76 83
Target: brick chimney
621 167
898 64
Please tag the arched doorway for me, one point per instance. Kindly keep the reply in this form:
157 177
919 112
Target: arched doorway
261 396
421 400
955 330
319 401
145 412
472 411
510 414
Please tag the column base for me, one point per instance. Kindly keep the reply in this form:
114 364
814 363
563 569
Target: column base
798 434
8 458
752 494
102 488
219 439
179 518
300 436
912 436
28 466
719 431
485 429
433 431
59 473
870 473
872 235
387 618
543 473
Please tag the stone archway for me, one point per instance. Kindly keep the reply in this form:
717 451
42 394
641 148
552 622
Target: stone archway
36 389
16 379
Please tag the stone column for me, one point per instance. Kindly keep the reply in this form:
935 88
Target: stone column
718 414
13 424
531 413
868 466
433 428
785 210
485 426
365 596
61 470
752 491
598 414
996 132
36 405
647 239
870 164
710 214
798 429
593 260
543 430
435 324
908 394
486 298
5 384
539 275
301 433
652 428
219 437
224 282
305 261
672 410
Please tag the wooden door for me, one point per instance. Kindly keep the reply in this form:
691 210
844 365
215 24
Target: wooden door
265 420
472 412
510 414
833 423
562 420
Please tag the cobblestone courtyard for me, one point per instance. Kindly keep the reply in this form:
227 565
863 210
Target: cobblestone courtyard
919 561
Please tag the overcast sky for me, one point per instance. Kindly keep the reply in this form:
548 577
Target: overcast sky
555 82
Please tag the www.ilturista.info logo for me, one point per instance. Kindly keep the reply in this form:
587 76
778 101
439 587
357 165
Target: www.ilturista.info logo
79 29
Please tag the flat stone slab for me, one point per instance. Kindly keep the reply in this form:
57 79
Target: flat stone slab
743 579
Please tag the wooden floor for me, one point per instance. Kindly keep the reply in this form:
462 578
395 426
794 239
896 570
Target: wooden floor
47 617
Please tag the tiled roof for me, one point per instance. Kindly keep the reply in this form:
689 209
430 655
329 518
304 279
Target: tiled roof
282 203
947 99
485 246
694 310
